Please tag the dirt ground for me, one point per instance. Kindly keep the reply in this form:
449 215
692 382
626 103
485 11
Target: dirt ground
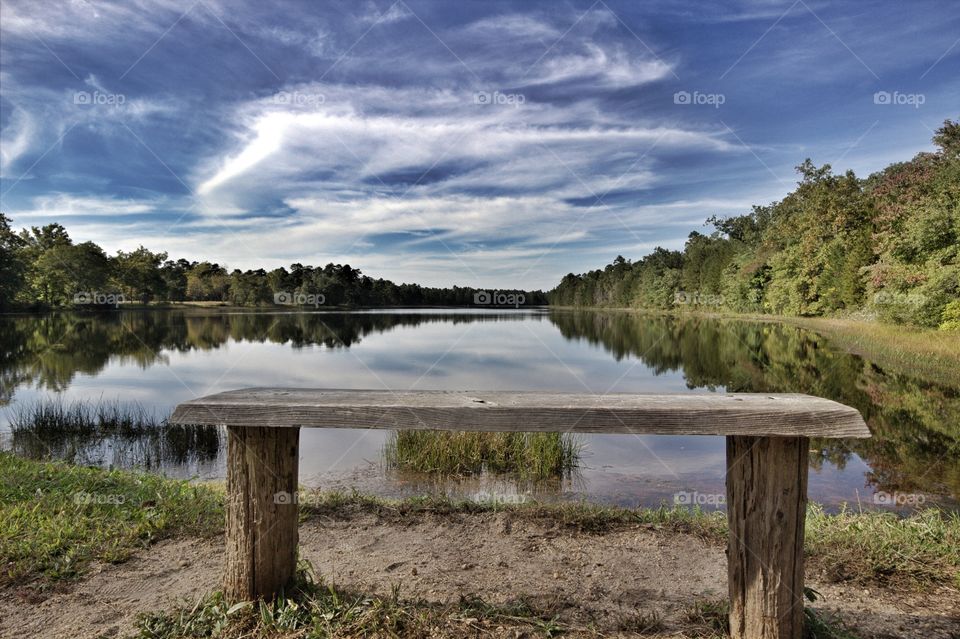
593 580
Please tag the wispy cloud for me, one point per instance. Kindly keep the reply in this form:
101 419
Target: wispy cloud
64 205
440 142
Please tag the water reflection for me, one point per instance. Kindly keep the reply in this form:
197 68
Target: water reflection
163 357
915 424
49 350
194 449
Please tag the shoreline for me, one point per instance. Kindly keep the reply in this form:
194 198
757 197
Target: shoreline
141 556
928 353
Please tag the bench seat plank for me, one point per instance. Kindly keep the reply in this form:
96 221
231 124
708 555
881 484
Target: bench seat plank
759 414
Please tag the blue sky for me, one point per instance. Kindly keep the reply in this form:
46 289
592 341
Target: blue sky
478 143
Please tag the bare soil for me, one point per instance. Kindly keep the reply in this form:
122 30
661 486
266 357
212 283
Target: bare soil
596 581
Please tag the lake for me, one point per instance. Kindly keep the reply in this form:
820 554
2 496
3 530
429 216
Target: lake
160 358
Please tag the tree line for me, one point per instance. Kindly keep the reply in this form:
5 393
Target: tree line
885 246
42 268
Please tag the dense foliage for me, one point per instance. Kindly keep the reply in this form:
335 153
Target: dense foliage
43 268
888 245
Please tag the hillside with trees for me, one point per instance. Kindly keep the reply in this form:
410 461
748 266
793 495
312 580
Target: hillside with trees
885 246
42 268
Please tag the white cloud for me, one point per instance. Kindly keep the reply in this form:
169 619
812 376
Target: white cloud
613 69
513 25
83 19
15 139
269 133
355 142
394 13
62 205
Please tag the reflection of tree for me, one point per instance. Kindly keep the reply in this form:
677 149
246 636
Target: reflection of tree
915 424
143 448
49 350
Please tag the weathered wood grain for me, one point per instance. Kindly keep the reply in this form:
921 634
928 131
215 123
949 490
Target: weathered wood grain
766 511
261 530
786 415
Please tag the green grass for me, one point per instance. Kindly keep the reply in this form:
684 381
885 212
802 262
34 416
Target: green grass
55 519
524 455
920 352
921 549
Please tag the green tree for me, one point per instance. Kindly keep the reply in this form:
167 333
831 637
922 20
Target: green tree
138 274
69 273
12 266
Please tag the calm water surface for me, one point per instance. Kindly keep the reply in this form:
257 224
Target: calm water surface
161 358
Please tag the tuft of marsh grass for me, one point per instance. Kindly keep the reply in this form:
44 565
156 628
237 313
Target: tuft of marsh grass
312 608
77 432
56 519
82 417
525 455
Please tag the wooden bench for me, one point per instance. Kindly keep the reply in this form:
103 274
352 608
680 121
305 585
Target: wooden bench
767 443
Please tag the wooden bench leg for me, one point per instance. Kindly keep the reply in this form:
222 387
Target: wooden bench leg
766 510
262 511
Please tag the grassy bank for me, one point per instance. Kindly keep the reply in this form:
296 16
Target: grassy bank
525 455
920 352
56 519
